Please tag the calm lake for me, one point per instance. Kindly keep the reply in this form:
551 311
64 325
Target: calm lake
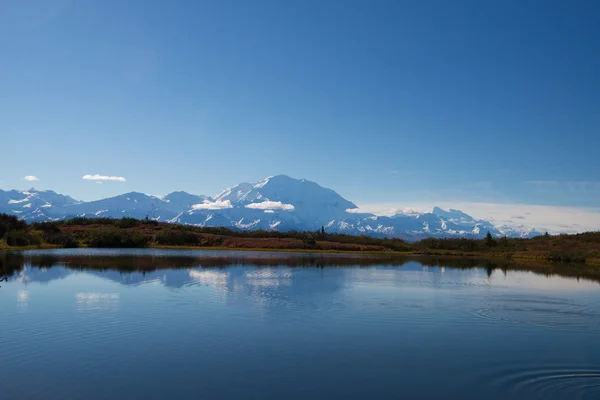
161 324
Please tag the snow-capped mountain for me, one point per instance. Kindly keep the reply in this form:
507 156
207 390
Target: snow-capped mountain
519 231
276 203
135 205
33 204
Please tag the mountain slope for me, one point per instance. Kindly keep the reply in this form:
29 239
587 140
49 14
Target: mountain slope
275 203
183 200
133 204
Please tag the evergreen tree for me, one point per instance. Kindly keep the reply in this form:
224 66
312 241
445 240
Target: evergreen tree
489 240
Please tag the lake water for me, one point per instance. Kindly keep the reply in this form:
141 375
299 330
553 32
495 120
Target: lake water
102 324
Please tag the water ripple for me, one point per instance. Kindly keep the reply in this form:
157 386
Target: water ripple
542 382
539 311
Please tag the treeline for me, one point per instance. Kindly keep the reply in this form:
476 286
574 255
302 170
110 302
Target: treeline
576 248
466 244
123 223
15 232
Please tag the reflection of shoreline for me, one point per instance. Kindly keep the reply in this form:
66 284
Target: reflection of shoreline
12 263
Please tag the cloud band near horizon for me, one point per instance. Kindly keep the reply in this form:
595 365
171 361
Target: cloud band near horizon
554 219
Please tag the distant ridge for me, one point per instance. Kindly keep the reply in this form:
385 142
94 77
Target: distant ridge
275 203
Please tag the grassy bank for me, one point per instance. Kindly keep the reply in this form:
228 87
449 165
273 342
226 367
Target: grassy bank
5 247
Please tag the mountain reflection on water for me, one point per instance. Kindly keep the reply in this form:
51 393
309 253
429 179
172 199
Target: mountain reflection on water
177 268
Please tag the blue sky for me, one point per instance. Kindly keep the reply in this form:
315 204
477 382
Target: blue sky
383 101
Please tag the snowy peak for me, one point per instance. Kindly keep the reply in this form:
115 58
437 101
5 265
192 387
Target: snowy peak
286 190
45 196
300 191
128 200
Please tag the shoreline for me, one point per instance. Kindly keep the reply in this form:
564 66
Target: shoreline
212 248
522 256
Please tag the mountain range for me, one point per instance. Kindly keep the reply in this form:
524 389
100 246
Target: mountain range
275 203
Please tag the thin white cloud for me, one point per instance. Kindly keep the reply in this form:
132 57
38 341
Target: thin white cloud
356 210
97 177
554 219
383 209
270 205
213 205
31 178
542 183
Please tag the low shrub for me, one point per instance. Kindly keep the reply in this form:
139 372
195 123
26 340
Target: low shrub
111 237
175 237
60 239
20 238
